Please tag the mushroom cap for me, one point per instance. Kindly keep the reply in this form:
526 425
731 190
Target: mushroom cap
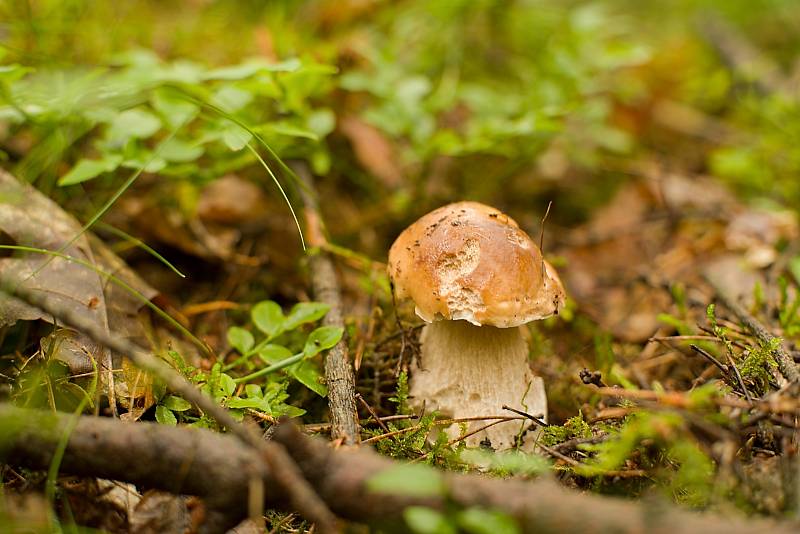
468 261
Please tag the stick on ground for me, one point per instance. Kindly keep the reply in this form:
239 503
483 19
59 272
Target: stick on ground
338 370
219 468
285 473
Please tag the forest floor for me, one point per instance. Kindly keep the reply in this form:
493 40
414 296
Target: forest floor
196 237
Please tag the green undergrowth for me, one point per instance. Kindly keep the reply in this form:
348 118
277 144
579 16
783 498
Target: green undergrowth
277 351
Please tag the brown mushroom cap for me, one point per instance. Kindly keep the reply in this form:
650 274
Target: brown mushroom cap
472 262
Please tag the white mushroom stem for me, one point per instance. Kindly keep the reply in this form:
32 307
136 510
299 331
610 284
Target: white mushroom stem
471 371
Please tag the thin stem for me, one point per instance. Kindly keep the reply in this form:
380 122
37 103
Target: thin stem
271 369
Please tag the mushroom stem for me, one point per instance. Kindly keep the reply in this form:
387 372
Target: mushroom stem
467 371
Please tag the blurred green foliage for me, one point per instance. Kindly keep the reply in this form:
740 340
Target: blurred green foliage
528 82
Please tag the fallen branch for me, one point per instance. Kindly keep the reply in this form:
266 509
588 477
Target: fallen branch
772 404
220 467
285 473
338 371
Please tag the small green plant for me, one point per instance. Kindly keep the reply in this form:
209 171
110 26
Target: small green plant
788 309
410 441
416 480
421 520
401 396
661 444
758 363
279 353
171 117
574 427
720 332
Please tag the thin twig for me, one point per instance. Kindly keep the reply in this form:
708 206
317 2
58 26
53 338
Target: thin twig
526 415
372 412
338 370
738 376
630 473
541 237
366 336
734 342
684 338
441 422
708 356
322 427
392 434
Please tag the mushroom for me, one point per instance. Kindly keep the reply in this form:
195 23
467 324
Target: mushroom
475 278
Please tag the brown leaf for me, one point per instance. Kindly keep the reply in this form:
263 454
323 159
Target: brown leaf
233 201
160 513
662 230
85 287
373 150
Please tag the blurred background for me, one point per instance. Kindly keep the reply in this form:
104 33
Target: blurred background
401 106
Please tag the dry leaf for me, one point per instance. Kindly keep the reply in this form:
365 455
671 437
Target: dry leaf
373 150
662 230
28 218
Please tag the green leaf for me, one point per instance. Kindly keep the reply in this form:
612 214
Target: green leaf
794 268
231 99
235 137
308 374
176 404
12 73
238 72
173 109
179 362
146 160
274 353
321 122
250 68
213 378
253 391
288 410
240 339
508 461
180 151
321 339
86 169
289 65
254 403
479 521
133 123
165 416
268 317
290 130
412 480
227 384
181 71
422 520
305 312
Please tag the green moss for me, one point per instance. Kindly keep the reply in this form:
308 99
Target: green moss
758 364
574 427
